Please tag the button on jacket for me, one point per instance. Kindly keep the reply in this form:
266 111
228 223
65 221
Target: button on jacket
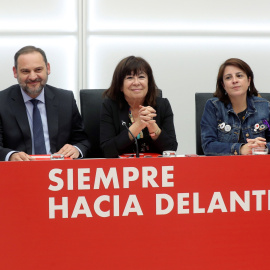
220 126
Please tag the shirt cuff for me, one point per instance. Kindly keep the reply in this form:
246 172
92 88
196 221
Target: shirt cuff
236 148
81 154
9 154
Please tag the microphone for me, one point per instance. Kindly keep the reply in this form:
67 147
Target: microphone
135 139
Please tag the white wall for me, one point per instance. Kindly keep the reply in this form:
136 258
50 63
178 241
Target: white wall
184 41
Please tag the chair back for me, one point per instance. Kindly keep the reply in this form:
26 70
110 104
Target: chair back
265 95
91 100
200 100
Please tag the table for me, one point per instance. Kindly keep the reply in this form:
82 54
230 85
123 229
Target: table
147 213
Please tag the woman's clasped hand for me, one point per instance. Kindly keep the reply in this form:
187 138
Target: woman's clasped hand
246 149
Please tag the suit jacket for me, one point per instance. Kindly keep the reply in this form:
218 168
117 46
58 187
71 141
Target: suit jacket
64 121
114 137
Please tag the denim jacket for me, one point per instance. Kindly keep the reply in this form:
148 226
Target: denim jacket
220 126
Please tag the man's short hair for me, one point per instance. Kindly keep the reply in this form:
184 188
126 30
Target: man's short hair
29 49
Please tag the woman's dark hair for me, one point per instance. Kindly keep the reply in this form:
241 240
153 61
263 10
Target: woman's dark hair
131 65
220 91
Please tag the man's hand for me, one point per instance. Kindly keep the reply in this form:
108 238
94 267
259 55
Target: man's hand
69 151
20 156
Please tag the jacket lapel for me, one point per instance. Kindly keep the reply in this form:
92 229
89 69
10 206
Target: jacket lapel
19 109
123 116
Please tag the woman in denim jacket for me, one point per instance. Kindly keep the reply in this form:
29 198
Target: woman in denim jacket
236 120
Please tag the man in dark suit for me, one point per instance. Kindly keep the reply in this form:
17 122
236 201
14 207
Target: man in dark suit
61 121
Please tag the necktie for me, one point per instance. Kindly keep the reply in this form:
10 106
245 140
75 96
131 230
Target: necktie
39 142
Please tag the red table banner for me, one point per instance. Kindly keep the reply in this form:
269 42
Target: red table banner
146 213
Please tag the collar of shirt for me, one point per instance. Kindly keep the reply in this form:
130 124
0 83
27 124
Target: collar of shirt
26 98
